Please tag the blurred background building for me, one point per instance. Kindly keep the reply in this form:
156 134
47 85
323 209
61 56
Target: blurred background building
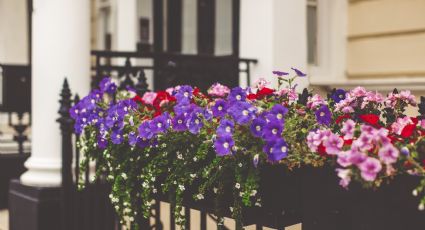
379 44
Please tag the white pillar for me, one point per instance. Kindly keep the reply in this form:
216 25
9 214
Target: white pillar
126 25
61 48
274 32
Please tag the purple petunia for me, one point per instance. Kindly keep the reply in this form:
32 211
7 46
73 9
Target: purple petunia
145 130
223 145
298 72
279 111
184 94
106 85
132 138
179 123
338 95
257 127
194 124
242 112
219 109
117 137
237 94
278 151
323 115
273 129
225 128
268 147
280 73
160 124
370 168
102 142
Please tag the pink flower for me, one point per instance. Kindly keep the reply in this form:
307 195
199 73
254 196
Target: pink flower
291 93
261 83
149 97
314 139
348 128
315 101
370 168
363 143
388 154
333 144
170 90
422 123
218 90
358 92
344 158
408 96
399 125
345 175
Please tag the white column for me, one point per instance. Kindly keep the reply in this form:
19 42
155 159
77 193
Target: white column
126 25
61 48
274 32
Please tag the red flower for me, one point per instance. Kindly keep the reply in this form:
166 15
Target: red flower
252 96
137 98
370 118
321 150
264 92
340 118
162 96
408 130
348 142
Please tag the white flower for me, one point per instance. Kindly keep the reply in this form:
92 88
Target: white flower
124 176
240 165
179 156
200 196
231 209
193 175
241 194
154 190
421 207
253 192
215 190
195 159
153 179
415 192
237 185
181 187
258 204
145 185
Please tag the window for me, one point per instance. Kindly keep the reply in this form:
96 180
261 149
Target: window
312 32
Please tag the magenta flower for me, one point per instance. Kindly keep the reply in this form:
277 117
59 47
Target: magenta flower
149 97
370 168
218 90
345 176
388 154
333 144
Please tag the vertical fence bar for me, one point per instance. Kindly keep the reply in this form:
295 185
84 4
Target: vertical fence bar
67 182
203 220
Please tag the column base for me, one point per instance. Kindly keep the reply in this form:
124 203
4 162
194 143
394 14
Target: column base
34 208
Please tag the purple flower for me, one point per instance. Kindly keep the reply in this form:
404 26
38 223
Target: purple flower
338 95
142 142
102 143
273 129
145 130
132 138
333 144
388 154
208 114
280 73
179 123
117 137
268 147
160 124
405 151
323 115
370 168
225 128
106 85
298 72
184 94
223 145
279 111
195 124
242 112
278 151
237 94
220 108
257 127
256 160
